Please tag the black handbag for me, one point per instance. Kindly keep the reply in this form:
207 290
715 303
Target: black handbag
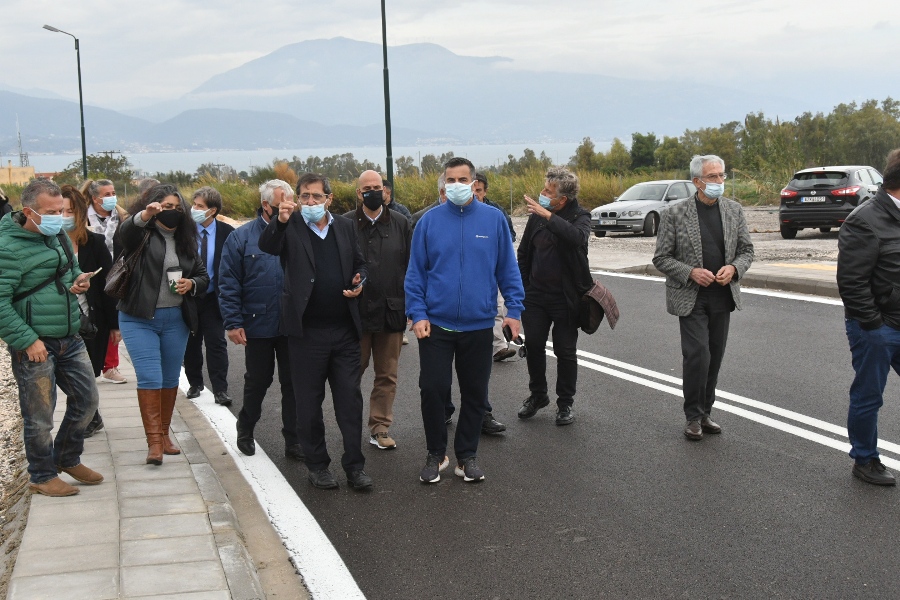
120 275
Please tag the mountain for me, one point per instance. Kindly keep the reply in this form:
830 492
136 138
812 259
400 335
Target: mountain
463 98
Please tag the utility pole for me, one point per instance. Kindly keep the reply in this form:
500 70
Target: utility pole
84 168
387 104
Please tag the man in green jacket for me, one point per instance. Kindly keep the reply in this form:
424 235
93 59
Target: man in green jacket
39 321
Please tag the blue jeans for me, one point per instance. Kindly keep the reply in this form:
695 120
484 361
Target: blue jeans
874 353
69 367
156 346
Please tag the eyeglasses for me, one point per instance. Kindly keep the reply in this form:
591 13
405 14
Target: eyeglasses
715 176
317 197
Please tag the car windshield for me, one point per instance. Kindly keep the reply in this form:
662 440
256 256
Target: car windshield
819 179
644 191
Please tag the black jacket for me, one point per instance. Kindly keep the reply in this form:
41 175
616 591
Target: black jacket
868 270
571 227
93 255
512 230
223 230
143 288
385 248
290 241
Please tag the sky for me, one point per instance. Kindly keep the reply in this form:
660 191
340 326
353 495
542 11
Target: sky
137 53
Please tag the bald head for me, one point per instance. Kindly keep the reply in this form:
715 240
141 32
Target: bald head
369 180
369 191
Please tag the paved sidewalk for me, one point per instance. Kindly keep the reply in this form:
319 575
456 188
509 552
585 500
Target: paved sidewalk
147 531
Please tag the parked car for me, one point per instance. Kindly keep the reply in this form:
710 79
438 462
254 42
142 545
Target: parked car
823 197
639 208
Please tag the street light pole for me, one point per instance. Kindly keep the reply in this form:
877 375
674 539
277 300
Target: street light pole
387 104
84 168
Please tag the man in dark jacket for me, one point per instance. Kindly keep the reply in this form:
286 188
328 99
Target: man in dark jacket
868 278
211 236
250 284
324 272
384 240
392 204
39 321
553 261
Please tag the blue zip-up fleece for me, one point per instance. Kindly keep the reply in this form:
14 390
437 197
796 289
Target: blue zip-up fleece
460 255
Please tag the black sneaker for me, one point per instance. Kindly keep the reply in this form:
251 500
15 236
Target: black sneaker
323 479
874 472
532 405
469 470
94 426
491 426
434 464
358 480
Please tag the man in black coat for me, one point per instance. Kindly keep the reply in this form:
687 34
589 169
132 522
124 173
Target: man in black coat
324 272
211 236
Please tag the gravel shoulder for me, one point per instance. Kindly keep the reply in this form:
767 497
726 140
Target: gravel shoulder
14 496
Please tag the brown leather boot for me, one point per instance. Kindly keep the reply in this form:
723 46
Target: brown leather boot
168 407
150 403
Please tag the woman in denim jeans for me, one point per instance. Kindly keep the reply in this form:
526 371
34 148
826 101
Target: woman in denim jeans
156 317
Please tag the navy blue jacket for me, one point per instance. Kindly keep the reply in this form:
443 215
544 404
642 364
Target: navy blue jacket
250 283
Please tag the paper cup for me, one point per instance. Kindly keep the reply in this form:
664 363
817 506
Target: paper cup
173 274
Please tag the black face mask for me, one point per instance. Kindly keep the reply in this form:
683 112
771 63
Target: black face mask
170 218
373 199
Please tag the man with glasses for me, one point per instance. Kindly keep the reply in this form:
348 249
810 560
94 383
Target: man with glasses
324 272
703 247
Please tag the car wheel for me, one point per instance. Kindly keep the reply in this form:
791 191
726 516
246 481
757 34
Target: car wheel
600 233
824 229
651 224
788 233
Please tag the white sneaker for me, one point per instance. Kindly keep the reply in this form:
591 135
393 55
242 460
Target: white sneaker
112 376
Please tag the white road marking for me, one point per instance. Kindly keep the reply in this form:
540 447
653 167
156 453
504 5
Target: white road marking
627 371
324 572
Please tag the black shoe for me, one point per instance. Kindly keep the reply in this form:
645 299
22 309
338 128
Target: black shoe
502 355
324 480
359 481
710 426
532 405
294 452
245 441
448 420
874 472
693 430
222 398
94 426
491 426
194 391
565 416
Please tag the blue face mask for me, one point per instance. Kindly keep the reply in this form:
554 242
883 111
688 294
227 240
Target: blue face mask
50 224
68 223
313 213
199 216
109 203
458 193
714 190
544 201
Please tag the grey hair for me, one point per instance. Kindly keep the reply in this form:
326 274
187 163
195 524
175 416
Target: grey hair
94 188
442 182
146 184
267 190
35 188
698 161
566 182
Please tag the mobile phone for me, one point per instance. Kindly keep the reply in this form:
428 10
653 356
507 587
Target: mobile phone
358 285
92 274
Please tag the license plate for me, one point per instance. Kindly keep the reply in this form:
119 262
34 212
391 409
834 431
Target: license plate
607 221
807 199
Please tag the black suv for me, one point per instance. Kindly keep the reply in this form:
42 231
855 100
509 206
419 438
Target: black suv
823 197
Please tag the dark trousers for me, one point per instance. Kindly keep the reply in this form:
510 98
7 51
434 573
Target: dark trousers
704 334
211 330
332 355
260 356
473 351
542 310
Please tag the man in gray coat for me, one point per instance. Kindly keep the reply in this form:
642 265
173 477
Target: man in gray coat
703 247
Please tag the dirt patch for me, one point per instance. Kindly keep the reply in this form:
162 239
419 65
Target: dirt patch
14 497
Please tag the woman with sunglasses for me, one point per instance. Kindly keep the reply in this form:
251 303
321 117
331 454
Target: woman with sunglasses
157 316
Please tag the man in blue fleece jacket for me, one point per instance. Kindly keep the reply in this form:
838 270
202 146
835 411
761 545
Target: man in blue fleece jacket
461 253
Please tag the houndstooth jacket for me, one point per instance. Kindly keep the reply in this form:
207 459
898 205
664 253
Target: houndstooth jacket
679 249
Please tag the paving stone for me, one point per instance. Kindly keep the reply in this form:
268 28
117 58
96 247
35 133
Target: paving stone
67 560
87 493
190 448
153 472
243 580
222 517
178 424
114 423
128 444
162 505
173 579
219 595
209 484
96 584
175 486
146 528
111 410
168 550
51 537
139 457
80 512
126 433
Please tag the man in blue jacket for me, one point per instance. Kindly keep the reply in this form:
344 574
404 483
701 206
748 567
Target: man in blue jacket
461 253
250 284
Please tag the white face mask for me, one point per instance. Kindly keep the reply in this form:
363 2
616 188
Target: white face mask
458 193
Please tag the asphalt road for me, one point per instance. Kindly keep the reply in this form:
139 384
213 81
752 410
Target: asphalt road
620 504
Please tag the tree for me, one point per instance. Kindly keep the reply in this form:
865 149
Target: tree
179 178
104 165
671 154
585 158
431 164
219 172
643 148
284 172
618 159
406 167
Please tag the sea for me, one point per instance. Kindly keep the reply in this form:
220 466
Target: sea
149 163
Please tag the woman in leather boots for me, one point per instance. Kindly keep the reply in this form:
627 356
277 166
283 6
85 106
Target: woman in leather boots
159 310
